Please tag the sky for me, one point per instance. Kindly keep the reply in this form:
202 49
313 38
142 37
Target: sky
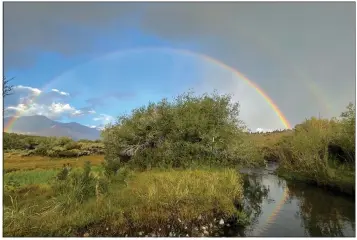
92 62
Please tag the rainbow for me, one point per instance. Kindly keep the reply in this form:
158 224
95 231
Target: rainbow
275 51
10 123
271 103
14 118
274 214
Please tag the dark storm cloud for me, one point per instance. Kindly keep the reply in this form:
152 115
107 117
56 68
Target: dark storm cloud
66 28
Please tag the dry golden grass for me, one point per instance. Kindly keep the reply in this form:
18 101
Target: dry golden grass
13 161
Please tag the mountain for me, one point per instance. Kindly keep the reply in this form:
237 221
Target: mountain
43 126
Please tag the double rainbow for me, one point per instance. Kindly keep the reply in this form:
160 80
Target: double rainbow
270 102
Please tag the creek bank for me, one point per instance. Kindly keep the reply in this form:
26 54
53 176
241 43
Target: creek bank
200 227
179 202
344 185
337 186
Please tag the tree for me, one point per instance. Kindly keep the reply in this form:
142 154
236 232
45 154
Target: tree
7 87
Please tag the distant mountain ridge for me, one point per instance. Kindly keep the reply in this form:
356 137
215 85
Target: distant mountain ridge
43 126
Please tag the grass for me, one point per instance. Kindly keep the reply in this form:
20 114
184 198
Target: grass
13 162
338 180
37 176
176 201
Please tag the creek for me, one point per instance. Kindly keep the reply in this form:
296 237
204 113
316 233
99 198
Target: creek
289 209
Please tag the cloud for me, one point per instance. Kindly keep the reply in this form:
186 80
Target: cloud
104 119
46 29
99 127
27 95
27 101
61 93
88 110
262 130
34 91
55 111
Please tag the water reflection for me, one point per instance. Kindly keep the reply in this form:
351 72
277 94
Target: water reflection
308 211
254 194
322 213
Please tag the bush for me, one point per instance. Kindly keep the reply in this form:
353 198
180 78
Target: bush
202 130
307 149
51 146
344 139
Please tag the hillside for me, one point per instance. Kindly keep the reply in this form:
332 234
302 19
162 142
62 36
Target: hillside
43 126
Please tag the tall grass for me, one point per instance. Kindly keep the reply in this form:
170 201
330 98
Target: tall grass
172 201
308 155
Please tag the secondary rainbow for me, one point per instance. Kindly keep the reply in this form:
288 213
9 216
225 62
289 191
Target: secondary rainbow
276 52
271 103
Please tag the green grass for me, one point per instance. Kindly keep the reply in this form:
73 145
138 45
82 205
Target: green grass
37 176
30 177
171 200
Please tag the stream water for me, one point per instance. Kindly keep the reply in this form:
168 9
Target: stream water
284 209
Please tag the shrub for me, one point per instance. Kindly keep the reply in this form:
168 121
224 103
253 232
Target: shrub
322 151
307 149
191 130
50 146
345 135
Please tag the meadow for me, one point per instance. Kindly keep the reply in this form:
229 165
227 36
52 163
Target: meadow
167 169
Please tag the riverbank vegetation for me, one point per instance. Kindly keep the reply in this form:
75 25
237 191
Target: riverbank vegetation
167 169
322 151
